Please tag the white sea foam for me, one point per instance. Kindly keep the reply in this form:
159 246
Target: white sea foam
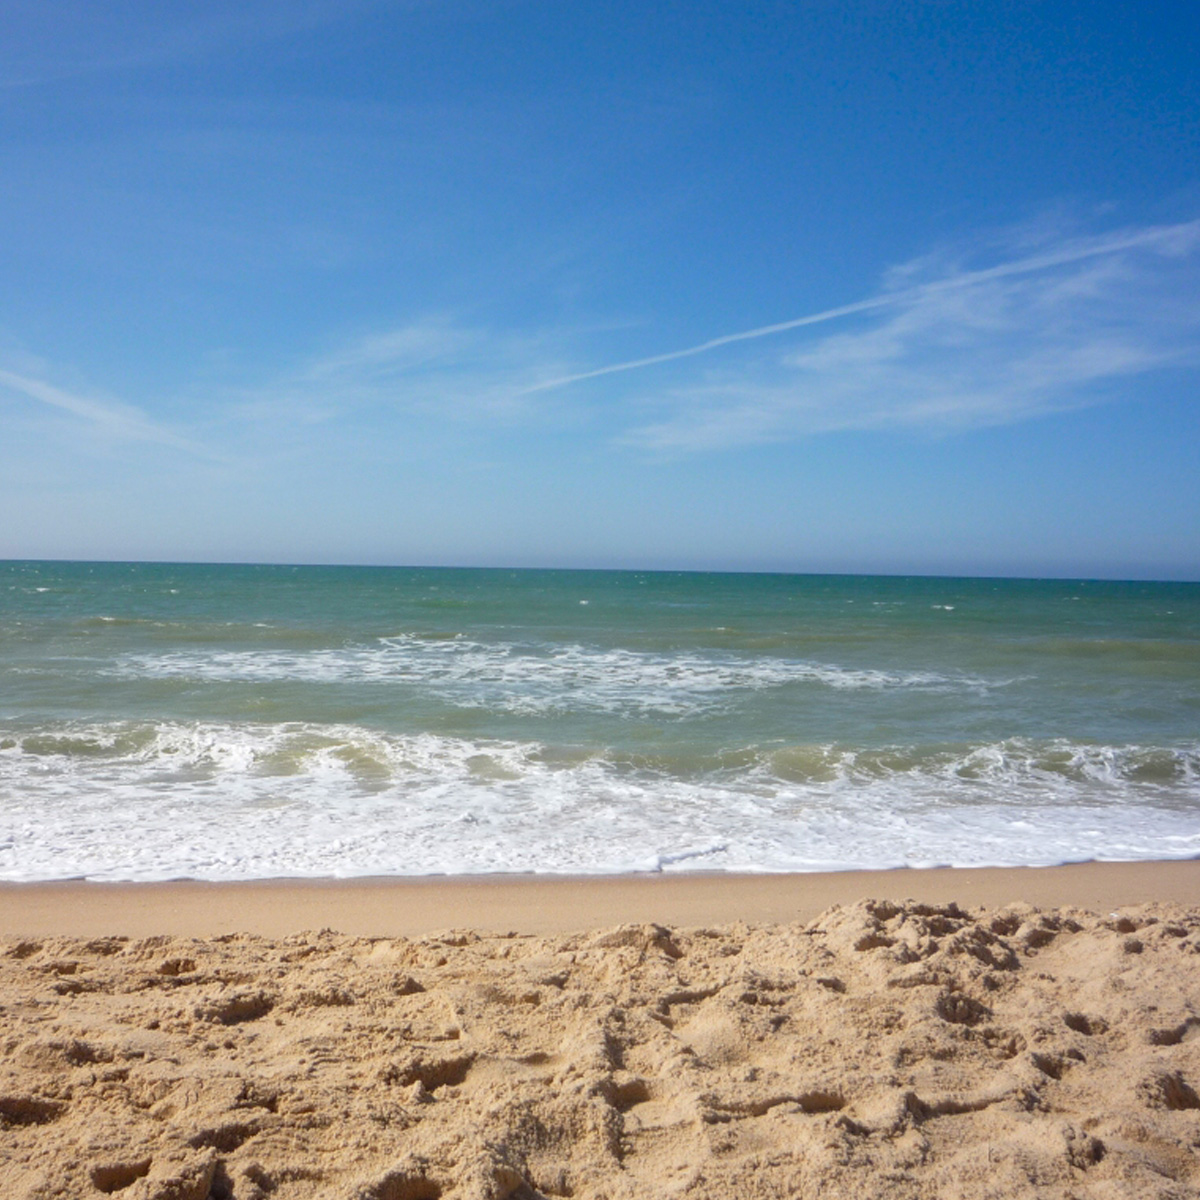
532 679
224 801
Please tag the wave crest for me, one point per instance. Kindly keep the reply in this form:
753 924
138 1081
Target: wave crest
140 800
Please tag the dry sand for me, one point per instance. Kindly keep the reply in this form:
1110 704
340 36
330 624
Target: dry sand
883 1048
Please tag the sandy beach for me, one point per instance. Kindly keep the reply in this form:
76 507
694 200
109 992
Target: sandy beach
549 905
900 1034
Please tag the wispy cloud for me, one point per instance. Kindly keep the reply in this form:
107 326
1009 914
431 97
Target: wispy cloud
120 422
1180 237
948 342
948 345
437 367
1045 322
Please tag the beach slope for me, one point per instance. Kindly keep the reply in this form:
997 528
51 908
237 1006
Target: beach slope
907 1049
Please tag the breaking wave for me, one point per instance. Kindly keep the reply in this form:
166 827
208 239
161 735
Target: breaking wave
531 679
144 800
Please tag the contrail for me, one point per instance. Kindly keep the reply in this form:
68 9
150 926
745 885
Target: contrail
123 422
1183 233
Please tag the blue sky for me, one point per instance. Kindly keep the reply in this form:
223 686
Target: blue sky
797 286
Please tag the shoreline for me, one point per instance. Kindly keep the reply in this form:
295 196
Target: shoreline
541 905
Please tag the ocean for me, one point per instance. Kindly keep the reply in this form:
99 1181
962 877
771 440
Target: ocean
166 721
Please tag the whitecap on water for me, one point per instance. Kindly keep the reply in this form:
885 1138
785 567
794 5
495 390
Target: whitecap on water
532 679
130 800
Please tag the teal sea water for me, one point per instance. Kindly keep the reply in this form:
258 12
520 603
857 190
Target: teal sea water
230 722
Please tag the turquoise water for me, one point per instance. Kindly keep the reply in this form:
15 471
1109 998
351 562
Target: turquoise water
161 721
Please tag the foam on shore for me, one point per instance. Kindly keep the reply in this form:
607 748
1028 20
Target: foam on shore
154 800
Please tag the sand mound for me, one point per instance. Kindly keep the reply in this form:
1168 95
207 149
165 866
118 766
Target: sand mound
884 1050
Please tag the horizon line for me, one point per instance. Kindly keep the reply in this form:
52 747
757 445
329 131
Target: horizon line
1077 577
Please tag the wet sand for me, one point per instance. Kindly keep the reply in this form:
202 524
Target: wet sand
545 905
